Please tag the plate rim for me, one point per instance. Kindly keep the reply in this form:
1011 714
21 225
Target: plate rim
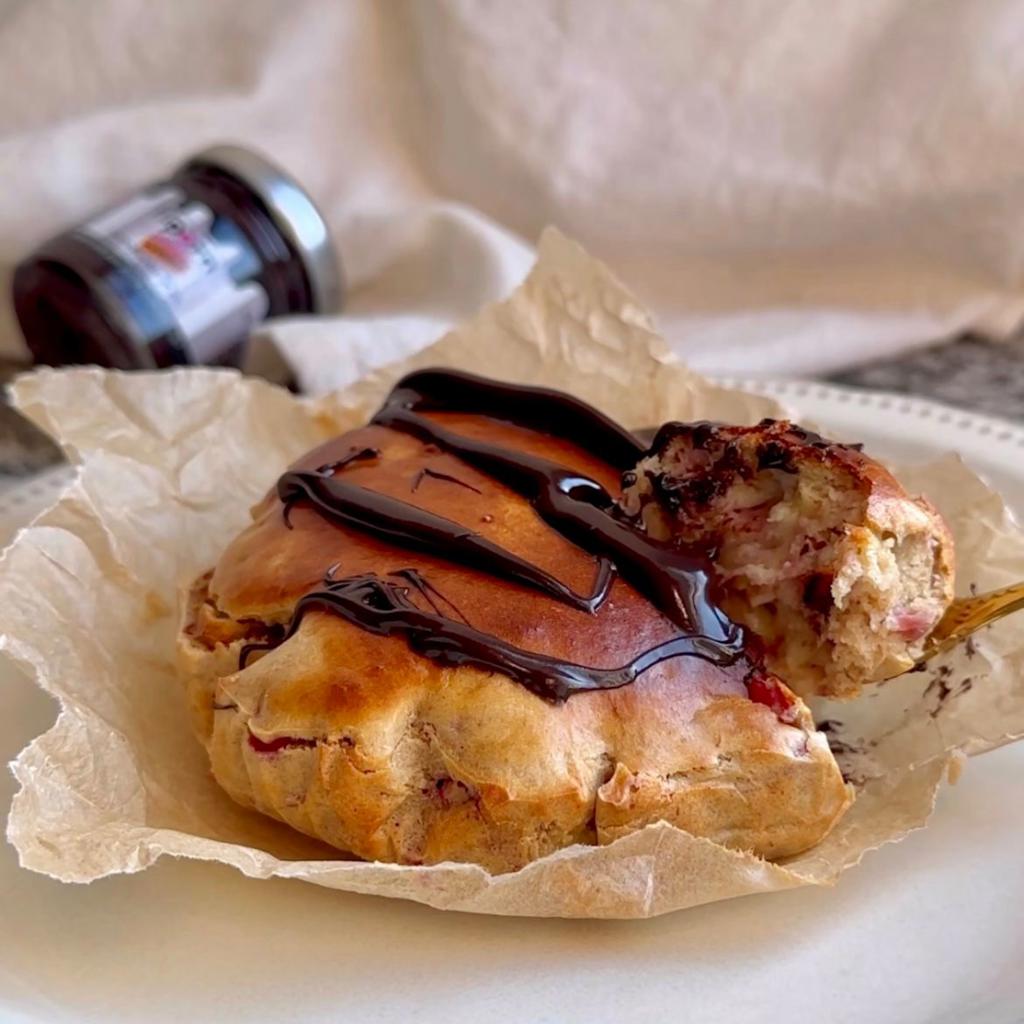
997 429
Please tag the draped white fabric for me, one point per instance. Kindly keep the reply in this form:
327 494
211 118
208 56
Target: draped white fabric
791 185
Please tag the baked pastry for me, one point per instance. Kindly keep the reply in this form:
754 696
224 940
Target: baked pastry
442 638
818 550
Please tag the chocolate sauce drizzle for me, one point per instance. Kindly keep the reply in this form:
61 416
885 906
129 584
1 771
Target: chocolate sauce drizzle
429 592
383 607
573 504
356 455
414 528
437 475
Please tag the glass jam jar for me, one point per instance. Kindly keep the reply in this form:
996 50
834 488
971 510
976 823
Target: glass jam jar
181 271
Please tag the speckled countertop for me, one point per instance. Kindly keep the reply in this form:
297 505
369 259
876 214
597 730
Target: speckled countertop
23 449
970 372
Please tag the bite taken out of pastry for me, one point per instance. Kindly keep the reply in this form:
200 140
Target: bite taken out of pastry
441 639
817 549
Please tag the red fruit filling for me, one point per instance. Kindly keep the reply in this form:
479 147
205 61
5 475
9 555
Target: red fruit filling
278 743
770 692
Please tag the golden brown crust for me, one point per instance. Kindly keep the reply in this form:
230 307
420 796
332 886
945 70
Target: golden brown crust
352 738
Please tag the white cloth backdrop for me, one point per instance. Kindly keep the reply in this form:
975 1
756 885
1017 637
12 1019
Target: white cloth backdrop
792 185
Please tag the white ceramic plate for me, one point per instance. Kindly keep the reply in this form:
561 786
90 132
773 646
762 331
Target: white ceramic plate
930 930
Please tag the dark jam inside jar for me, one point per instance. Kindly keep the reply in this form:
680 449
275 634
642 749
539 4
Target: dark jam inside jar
181 272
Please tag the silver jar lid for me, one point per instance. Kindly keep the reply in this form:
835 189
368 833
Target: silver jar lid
294 214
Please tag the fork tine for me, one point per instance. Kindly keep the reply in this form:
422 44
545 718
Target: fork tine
967 615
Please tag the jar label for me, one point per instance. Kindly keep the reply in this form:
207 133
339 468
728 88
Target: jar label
169 239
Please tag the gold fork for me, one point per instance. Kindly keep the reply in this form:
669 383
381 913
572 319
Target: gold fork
966 615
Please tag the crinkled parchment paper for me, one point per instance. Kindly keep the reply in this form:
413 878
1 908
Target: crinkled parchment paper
168 465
